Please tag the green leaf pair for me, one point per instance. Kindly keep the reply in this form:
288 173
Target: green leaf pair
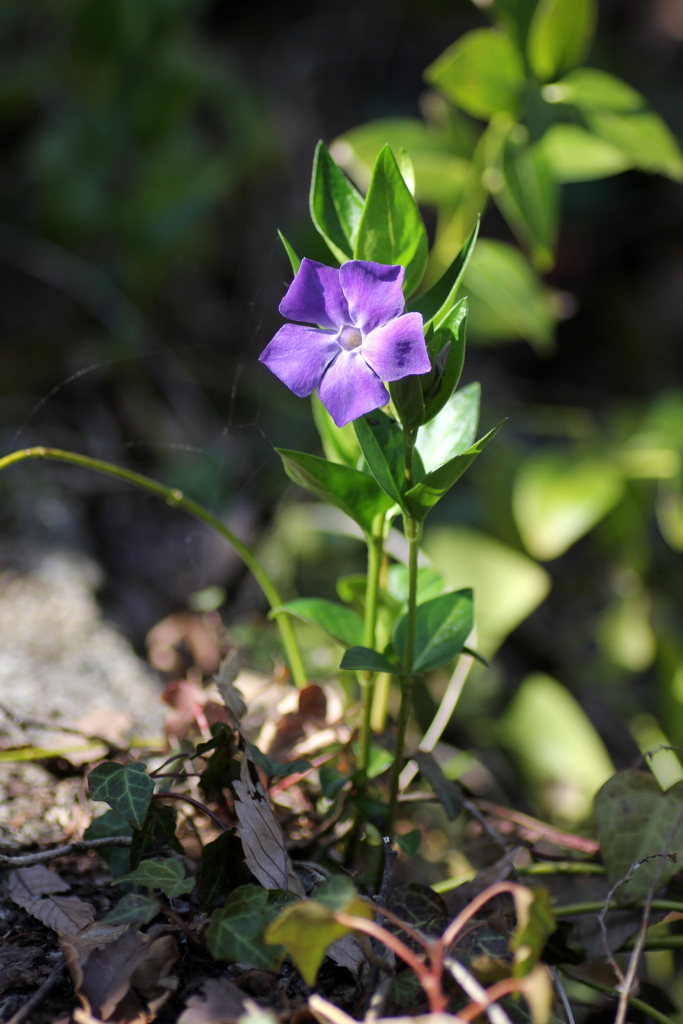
385 227
441 629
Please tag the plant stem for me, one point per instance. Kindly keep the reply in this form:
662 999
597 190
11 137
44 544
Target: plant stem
594 907
413 531
637 1004
375 544
179 500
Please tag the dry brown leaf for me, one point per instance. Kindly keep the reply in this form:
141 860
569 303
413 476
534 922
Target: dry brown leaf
107 973
77 948
262 839
28 884
155 966
37 889
221 1003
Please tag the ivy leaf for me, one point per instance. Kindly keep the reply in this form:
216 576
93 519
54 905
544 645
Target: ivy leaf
336 205
309 928
441 627
337 620
355 493
436 303
391 229
223 870
236 932
163 873
156 835
111 824
126 788
419 906
134 909
364 659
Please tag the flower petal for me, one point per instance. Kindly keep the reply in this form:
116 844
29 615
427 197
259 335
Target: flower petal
373 291
299 356
315 297
398 349
349 388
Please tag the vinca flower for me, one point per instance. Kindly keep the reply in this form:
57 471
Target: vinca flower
361 336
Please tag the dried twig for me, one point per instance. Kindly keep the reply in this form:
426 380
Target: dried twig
52 980
26 860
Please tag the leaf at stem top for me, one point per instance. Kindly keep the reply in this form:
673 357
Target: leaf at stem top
336 205
442 626
357 494
391 229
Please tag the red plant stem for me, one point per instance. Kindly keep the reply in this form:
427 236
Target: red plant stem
195 803
472 908
431 983
493 994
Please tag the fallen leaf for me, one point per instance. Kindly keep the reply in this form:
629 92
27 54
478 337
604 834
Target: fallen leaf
107 973
77 948
262 839
16 965
37 890
221 1003
157 961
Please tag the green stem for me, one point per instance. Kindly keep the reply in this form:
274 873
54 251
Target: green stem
375 544
413 532
638 1004
561 867
179 500
595 906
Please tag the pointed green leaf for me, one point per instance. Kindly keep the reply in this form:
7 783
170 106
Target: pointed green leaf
453 431
436 303
482 73
442 626
293 258
357 494
391 229
410 842
406 395
381 441
336 205
163 873
449 343
156 835
574 154
127 789
364 659
593 89
111 824
506 298
526 193
336 619
309 928
644 137
421 498
558 497
237 932
560 36
340 444
223 870
133 909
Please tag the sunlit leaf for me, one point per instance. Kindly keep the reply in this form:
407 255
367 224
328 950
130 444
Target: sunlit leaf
126 788
575 154
355 493
429 583
391 229
482 72
560 36
535 924
593 89
336 205
643 137
339 443
453 431
165 873
557 747
237 931
336 619
558 497
441 627
436 303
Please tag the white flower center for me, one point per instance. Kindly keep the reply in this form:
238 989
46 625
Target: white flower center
350 338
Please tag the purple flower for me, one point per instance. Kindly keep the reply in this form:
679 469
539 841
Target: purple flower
362 336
